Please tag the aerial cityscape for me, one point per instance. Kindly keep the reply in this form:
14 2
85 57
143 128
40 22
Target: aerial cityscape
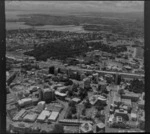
75 67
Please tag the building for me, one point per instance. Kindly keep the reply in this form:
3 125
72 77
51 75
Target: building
11 110
44 114
53 116
11 98
141 104
87 83
33 89
116 99
86 128
76 100
19 115
41 105
130 95
100 127
133 116
62 89
48 95
97 100
126 102
21 127
122 113
60 95
25 102
56 107
73 122
30 117
102 86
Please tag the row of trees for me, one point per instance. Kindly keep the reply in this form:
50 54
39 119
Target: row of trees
137 86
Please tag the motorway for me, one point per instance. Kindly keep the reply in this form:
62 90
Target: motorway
119 73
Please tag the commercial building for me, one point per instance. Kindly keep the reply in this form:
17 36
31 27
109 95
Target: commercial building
19 115
25 102
48 95
53 116
44 114
30 117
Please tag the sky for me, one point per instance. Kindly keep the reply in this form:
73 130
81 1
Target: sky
79 6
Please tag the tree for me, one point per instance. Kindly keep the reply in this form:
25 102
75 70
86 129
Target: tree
58 128
72 104
69 115
87 104
142 125
73 110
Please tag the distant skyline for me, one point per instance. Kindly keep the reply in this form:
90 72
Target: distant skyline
77 6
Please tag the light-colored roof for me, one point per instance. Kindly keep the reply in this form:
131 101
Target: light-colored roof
60 94
41 102
30 117
53 115
76 99
101 125
44 114
133 115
